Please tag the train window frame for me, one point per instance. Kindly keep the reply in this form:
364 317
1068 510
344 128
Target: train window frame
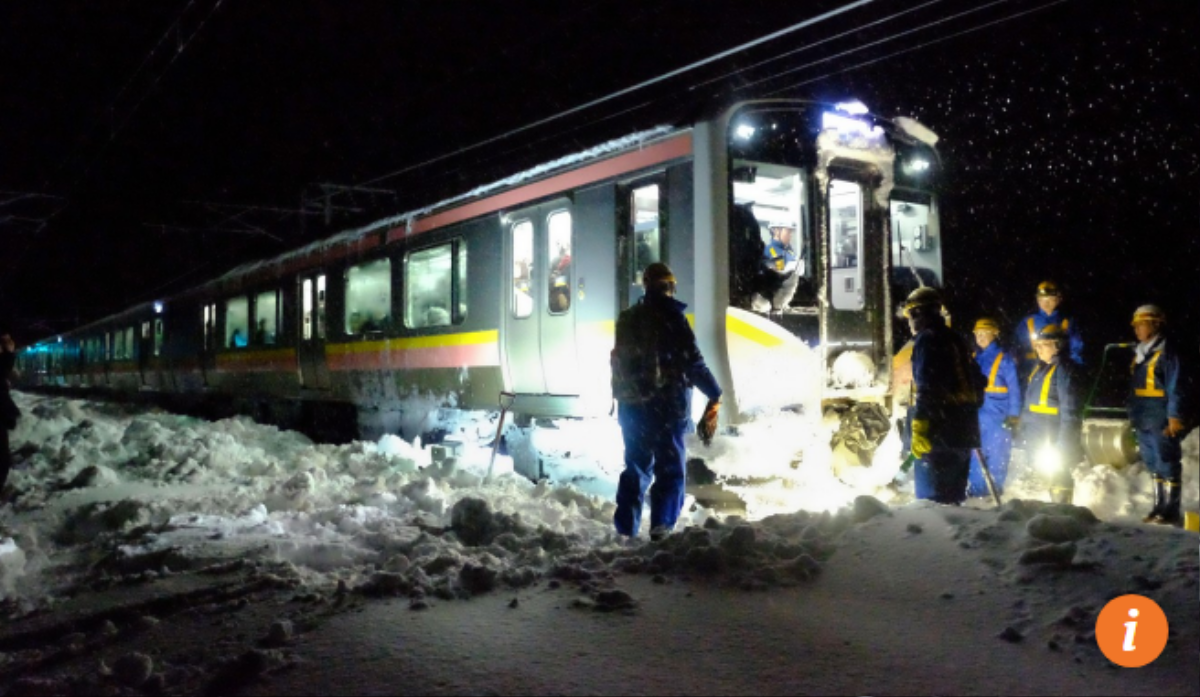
239 337
559 285
456 285
629 255
360 326
266 336
516 277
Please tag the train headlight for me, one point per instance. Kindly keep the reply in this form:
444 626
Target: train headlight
1048 460
744 131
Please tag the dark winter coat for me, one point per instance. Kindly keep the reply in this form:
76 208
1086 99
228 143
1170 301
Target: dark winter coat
949 387
1051 412
9 413
659 319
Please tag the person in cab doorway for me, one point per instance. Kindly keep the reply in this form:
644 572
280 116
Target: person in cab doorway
1001 410
783 267
1050 422
1158 407
1049 299
944 416
655 363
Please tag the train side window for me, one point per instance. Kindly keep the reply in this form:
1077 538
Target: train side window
210 327
369 297
647 229
145 330
237 322
130 353
522 272
266 318
560 265
434 295
108 346
158 336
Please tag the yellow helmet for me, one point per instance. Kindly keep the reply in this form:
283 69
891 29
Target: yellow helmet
987 324
1048 289
1149 313
922 297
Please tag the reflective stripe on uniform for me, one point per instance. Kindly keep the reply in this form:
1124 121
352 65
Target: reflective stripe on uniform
1041 407
1150 390
991 386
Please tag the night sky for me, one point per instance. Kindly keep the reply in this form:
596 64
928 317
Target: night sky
145 129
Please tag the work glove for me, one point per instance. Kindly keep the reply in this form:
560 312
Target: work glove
707 427
920 438
1174 428
1011 423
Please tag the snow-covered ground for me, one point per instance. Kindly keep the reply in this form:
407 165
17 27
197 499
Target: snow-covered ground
113 501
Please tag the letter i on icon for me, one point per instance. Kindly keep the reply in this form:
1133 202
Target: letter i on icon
1130 630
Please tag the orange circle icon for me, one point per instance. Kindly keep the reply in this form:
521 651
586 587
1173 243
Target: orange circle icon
1132 631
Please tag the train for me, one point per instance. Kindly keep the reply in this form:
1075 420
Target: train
515 286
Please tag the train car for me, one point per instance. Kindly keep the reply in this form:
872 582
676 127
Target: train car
515 286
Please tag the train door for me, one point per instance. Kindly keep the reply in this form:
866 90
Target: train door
855 269
539 318
314 372
211 340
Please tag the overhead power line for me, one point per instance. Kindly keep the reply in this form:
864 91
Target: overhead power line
620 93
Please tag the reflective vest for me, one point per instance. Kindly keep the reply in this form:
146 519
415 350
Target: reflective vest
1047 401
1149 388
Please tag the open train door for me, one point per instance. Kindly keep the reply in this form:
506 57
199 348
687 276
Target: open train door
314 372
539 350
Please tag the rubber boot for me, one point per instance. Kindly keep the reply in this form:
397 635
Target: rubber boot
1170 513
1160 499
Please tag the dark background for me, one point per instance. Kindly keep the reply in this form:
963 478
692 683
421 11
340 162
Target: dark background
149 146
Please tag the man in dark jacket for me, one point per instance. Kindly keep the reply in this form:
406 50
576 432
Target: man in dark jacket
1050 421
8 409
1158 411
945 412
655 364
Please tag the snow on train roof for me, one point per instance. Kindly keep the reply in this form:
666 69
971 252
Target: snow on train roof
631 141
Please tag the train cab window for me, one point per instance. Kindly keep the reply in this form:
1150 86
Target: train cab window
434 294
561 268
266 318
770 249
158 336
369 297
522 272
237 322
647 230
845 233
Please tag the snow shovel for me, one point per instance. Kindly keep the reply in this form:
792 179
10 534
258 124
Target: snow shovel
506 402
987 476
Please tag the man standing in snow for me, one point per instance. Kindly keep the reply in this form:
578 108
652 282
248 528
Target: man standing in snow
1049 297
1001 408
9 413
1157 405
655 364
1050 421
945 413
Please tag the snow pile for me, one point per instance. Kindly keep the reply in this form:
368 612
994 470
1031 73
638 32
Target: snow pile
12 566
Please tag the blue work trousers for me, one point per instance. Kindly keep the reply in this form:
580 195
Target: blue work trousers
941 475
997 450
654 451
1162 454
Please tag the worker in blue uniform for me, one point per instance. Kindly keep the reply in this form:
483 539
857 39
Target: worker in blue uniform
1049 298
656 363
1001 410
1158 405
1050 421
782 266
945 412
